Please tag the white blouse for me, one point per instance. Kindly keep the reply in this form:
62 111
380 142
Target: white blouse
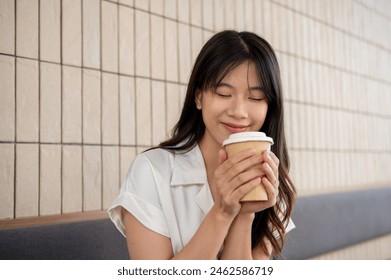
168 193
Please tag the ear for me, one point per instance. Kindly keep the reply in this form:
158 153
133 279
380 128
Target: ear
198 99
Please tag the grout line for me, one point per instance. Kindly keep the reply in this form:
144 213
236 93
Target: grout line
101 105
61 113
356 151
165 77
119 91
316 62
39 108
82 104
150 73
135 82
15 100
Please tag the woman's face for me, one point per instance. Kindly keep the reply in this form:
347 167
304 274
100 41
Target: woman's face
238 104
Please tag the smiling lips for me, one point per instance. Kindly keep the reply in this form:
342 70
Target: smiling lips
234 128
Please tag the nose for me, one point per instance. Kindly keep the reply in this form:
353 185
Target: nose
237 109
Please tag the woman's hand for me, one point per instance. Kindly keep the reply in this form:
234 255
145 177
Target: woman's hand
234 178
271 183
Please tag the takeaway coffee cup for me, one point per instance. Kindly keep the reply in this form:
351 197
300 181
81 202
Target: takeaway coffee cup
249 140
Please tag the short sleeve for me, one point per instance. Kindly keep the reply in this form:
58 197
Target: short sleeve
289 225
139 196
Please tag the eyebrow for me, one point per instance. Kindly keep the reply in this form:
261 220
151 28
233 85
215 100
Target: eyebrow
231 87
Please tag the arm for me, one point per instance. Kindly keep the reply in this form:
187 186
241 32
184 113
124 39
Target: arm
144 243
238 242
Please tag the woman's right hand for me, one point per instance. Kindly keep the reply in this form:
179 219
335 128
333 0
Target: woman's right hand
234 178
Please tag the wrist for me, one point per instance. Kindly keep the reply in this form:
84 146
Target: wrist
221 216
245 217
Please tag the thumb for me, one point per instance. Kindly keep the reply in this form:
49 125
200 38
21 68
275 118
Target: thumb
222 156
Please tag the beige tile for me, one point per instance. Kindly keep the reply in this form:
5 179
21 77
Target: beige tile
229 14
171 50
182 96
50 103
110 115
109 37
50 180
71 32
158 112
266 17
239 15
170 9
27 28
50 30
143 112
196 12
126 157
71 179
172 96
142 44
258 12
293 120
183 11
91 107
71 105
157 7
248 9
288 124
184 53
92 178
207 14
157 47
27 181
7 26
196 43
7 173
7 104
27 106
126 40
91 33
111 173
206 35
127 111
127 2
276 36
142 4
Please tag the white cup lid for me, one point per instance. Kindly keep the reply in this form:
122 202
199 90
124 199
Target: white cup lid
246 137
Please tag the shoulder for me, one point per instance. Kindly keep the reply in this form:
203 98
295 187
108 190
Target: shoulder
155 158
151 164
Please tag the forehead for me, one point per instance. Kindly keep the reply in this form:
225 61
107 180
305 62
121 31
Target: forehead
245 73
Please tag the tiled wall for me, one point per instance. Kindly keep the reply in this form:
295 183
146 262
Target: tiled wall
87 84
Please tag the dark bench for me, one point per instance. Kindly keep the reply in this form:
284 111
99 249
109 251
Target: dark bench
323 223
95 240
328 222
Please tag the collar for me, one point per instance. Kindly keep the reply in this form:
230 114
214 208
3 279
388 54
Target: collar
189 169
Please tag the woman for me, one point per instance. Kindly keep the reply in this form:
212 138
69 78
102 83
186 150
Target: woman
181 200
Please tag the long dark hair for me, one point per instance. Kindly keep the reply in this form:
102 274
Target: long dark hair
223 52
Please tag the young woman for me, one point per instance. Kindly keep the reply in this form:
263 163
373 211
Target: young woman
181 200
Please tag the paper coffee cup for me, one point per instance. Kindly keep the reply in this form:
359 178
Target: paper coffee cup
249 140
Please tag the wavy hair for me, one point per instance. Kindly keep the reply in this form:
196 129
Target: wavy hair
223 52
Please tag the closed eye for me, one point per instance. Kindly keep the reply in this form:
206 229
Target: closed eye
223 95
256 99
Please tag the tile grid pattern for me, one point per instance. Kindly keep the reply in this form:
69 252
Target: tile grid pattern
88 84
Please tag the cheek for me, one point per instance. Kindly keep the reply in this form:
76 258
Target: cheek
260 115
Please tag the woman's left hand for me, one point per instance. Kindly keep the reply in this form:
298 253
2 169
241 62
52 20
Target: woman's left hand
270 182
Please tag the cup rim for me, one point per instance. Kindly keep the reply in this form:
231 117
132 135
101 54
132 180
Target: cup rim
247 137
